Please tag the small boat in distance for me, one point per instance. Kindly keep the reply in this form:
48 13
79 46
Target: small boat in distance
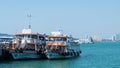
59 46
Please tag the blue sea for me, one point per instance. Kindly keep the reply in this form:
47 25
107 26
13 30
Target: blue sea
98 55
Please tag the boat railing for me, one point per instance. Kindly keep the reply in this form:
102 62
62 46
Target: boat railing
37 41
30 40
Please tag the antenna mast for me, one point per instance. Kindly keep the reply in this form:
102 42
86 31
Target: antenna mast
29 17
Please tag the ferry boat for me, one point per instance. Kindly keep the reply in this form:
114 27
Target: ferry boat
59 46
28 45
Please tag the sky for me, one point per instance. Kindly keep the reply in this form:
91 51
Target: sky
76 17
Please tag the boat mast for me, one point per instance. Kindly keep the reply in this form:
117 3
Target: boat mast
29 27
29 17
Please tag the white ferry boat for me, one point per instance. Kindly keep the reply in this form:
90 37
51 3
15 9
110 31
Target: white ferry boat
61 46
28 45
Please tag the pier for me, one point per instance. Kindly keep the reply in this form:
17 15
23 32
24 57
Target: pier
0 52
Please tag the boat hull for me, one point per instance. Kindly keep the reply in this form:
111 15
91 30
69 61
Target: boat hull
60 56
26 55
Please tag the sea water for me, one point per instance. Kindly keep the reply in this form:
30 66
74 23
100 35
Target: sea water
97 55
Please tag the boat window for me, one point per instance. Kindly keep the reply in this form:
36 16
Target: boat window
26 36
57 39
51 39
41 38
20 36
34 36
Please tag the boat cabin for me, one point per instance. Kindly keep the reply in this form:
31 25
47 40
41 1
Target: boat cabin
28 40
57 39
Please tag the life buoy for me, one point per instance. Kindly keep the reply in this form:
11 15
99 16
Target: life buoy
71 53
78 53
74 53
66 53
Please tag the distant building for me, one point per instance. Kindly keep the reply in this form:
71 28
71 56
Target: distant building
107 39
116 37
113 38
